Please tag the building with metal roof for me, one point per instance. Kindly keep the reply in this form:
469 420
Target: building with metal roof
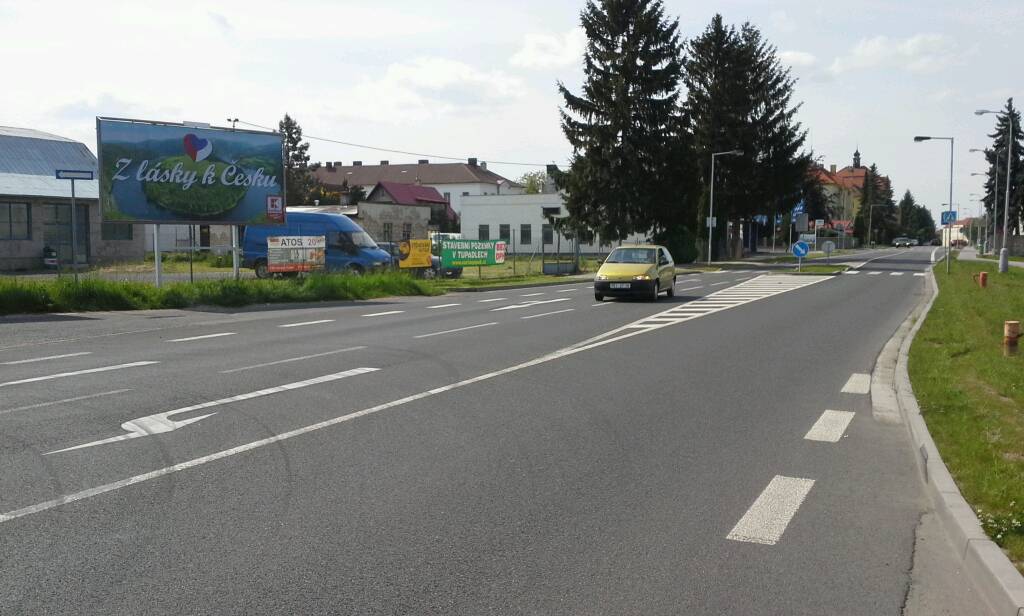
35 207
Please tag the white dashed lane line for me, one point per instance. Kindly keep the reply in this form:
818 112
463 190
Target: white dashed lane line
830 426
383 314
307 323
458 329
438 306
895 273
547 314
61 375
531 294
493 299
715 284
293 359
205 337
771 513
47 358
566 291
530 304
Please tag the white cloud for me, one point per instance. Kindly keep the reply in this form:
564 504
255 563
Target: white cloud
922 53
546 51
798 58
780 21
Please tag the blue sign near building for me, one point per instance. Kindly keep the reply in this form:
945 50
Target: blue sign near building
948 217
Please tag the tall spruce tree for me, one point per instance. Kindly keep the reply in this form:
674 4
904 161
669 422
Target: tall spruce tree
739 96
301 183
623 127
996 156
884 219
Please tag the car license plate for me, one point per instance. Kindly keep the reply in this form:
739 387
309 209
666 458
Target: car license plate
619 285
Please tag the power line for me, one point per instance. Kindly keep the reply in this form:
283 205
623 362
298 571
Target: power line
392 151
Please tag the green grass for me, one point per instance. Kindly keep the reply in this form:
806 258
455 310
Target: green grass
972 397
996 257
64 295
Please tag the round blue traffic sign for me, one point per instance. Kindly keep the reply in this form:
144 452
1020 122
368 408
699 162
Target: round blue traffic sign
800 249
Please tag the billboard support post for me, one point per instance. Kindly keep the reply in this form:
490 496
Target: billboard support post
156 255
234 252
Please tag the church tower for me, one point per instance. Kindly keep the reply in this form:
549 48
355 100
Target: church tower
856 159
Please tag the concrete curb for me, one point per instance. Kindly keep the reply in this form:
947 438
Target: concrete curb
894 402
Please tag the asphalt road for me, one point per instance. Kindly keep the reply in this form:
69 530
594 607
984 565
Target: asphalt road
522 451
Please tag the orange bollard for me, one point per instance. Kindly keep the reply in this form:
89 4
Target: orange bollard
1011 334
983 279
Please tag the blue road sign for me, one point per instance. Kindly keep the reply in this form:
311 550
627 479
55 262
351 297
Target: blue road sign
948 217
800 250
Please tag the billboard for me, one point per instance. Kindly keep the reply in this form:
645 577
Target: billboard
414 253
467 253
296 253
171 173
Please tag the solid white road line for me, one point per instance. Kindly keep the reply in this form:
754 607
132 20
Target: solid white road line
452 331
48 357
307 323
134 364
442 306
385 313
162 422
547 314
858 383
291 359
830 426
771 513
202 337
531 294
64 401
495 299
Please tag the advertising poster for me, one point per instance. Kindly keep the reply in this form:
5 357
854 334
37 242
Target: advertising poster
171 173
414 253
468 253
296 253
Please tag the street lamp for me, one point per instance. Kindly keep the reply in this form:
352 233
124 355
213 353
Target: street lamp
1004 254
919 139
233 122
711 207
871 211
995 194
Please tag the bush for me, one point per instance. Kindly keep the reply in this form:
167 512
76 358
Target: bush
64 294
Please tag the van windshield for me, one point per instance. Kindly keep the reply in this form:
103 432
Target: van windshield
360 239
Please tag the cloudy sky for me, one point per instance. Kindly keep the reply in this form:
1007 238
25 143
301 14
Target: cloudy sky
459 78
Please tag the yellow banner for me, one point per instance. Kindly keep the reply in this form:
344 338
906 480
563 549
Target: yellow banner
414 253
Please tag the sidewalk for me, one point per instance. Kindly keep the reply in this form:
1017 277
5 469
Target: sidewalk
971 254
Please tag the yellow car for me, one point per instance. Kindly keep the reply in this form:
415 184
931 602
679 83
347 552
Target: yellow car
636 271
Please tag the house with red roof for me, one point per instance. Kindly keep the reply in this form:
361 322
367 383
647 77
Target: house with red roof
845 187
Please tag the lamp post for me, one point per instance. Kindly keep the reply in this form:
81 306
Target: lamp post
1004 254
233 122
979 240
871 211
711 207
921 138
995 196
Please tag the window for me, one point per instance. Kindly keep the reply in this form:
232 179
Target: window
112 231
666 256
387 231
547 234
465 194
406 230
448 197
526 234
505 233
14 221
484 232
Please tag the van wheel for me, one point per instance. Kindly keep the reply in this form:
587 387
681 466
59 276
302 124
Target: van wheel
355 269
261 269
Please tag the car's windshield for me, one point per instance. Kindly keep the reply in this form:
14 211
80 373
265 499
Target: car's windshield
632 255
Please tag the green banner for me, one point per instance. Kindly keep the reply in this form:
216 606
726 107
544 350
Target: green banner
469 253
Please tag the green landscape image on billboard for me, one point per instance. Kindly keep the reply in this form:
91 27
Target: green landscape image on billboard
170 173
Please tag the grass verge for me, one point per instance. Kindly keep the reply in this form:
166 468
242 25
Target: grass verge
992 257
972 397
63 295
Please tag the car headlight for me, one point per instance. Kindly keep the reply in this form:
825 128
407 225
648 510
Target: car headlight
601 277
642 277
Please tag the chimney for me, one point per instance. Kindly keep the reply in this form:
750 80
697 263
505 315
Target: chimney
383 162
330 166
357 163
472 162
423 161
483 164
832 168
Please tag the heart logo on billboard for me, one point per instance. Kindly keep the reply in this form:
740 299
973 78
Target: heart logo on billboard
197 148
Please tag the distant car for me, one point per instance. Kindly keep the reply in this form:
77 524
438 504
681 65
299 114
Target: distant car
936 242
901 242
644 271
436 271
914 241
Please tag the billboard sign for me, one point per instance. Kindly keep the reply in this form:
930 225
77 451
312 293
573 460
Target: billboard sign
414 253
171 173
468 253
296 253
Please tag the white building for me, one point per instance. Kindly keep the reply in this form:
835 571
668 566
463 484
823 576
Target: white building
455 181
523 221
